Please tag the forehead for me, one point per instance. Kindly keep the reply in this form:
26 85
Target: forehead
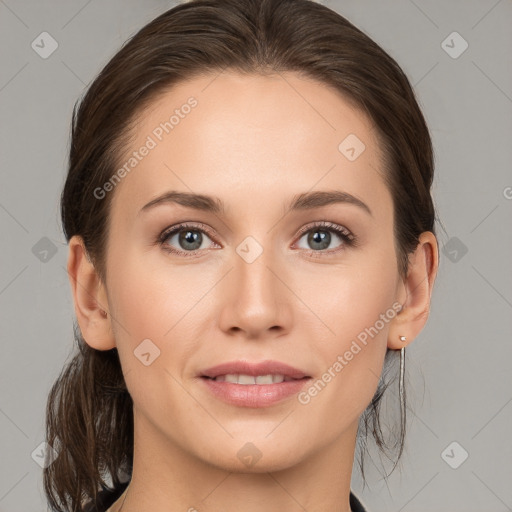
257 136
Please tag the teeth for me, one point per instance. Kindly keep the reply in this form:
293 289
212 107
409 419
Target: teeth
246 379
249 379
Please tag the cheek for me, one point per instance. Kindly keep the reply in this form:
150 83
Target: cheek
349 298
150 295
356 306
154 296
154 301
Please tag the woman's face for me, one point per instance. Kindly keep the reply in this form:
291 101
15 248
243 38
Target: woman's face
255 280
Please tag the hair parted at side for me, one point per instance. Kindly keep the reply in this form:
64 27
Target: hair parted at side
89 414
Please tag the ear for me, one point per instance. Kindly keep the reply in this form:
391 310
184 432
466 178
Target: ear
415 291
89 296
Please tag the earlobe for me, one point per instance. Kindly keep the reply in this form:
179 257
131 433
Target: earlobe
416 290
89 298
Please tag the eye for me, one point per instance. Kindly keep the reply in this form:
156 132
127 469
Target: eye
319 237
188 237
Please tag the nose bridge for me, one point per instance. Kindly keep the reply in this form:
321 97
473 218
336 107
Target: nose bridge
254 303
254 281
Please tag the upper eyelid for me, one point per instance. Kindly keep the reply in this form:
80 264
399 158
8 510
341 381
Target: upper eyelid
329 226
184 225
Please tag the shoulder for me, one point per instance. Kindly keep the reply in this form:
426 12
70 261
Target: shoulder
105 499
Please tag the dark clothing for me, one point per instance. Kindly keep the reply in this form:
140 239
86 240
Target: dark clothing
355 504
107 498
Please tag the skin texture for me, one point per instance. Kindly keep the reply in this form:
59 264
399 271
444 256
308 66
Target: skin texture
255 142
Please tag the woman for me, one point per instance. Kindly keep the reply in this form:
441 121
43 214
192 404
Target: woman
251 248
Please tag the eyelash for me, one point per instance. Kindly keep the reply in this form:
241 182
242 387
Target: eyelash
344 234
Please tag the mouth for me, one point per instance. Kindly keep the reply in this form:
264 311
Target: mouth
245 372
245 379
245 384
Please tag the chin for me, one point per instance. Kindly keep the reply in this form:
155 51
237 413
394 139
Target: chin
259 456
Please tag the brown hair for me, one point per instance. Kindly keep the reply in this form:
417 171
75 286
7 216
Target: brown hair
89 416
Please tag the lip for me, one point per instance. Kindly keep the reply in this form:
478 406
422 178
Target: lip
254 369
254 395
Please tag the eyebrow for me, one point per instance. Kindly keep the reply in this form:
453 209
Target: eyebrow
304 201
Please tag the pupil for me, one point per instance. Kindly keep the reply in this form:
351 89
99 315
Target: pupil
189 237
323 239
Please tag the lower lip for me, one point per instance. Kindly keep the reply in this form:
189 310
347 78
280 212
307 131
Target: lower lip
254 395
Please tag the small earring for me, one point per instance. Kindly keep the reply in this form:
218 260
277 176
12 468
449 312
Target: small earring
103 313
403 338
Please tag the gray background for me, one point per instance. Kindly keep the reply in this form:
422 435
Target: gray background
458 370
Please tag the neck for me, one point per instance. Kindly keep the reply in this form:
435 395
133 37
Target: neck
173 479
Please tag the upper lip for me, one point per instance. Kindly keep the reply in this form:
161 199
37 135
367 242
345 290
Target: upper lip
254 369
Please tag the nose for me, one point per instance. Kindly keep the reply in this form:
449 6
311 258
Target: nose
255 300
